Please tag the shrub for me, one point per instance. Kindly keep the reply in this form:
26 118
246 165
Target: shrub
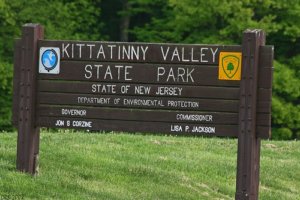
5 95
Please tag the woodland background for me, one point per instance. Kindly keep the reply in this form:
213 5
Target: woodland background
178 21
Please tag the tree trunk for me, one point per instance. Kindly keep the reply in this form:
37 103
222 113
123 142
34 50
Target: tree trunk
125 21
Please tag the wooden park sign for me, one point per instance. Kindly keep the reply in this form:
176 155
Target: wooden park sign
211 90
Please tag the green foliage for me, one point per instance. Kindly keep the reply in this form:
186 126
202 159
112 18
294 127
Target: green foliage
78 19
6 95
223 22
285 102
286 82
282 134
204 22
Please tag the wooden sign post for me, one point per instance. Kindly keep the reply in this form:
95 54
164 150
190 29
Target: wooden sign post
248 143
25 93
211 90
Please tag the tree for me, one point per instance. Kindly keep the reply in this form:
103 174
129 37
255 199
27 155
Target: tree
230 67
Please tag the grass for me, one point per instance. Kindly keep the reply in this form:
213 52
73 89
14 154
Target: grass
112 166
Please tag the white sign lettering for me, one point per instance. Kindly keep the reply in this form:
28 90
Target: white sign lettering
108 72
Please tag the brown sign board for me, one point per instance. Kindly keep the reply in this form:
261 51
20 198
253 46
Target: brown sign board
142 87
142 78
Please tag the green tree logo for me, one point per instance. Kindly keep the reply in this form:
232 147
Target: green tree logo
230 67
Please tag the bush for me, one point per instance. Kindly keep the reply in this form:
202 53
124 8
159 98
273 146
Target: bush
5 95
282 134
285 102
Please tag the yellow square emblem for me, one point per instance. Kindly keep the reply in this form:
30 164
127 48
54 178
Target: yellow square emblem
230 65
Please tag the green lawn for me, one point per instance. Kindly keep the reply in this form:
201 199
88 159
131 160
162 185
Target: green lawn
126 166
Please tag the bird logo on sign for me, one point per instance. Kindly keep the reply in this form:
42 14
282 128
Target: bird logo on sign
49 60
